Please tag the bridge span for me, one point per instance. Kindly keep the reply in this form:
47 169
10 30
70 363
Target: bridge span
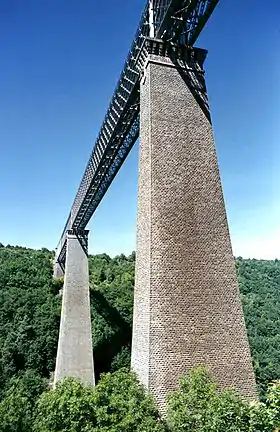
176 21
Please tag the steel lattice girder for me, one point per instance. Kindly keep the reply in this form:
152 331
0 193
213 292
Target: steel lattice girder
178 21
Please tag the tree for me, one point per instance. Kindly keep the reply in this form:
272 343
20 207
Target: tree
122 404
198 406
29 314
259 282
17 407
117 403
273 403
68 408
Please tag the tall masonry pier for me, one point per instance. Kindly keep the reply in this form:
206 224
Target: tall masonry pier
187 308
74 353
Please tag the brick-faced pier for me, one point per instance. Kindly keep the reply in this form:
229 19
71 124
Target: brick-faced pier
187 308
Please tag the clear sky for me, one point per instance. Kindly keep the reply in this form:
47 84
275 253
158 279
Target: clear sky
60 61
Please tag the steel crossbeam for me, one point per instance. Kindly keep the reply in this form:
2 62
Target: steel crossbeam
178 21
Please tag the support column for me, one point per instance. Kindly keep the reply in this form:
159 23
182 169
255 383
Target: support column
74 354
187 308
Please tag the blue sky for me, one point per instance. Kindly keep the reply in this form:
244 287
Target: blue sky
60 60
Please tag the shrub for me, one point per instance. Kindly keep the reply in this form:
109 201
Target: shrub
198 406
265 417
117 403
123 405
187 407
67 408
273 404
17 407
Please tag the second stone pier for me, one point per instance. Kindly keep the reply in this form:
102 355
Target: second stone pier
74 354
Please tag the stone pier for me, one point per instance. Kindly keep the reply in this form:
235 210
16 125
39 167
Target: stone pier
74 354
187 308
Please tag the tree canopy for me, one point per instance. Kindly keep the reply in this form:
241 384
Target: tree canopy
29 314
259 283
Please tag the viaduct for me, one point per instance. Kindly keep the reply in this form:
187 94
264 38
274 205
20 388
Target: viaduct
187 308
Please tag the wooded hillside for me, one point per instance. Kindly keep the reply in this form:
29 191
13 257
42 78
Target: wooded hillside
30 312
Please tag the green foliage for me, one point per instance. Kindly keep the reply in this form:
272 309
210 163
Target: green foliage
122 359
273 403
198 406
17 407
229 412
112 281
29 314
259 283
260 419
122 405
68 408
188 406
117 403
265 416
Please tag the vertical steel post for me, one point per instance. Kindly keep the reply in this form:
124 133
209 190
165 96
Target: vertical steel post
151 18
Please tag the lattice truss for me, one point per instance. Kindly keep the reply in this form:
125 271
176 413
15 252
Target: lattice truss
176 21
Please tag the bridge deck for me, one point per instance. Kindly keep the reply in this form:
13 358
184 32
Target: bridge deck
178 21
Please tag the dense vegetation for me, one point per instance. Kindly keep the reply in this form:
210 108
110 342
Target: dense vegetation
112 282
259 283
198 406
120 403
29 316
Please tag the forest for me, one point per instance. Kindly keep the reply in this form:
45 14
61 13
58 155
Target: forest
30 305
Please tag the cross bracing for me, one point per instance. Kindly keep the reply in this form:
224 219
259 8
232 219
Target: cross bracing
176 21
